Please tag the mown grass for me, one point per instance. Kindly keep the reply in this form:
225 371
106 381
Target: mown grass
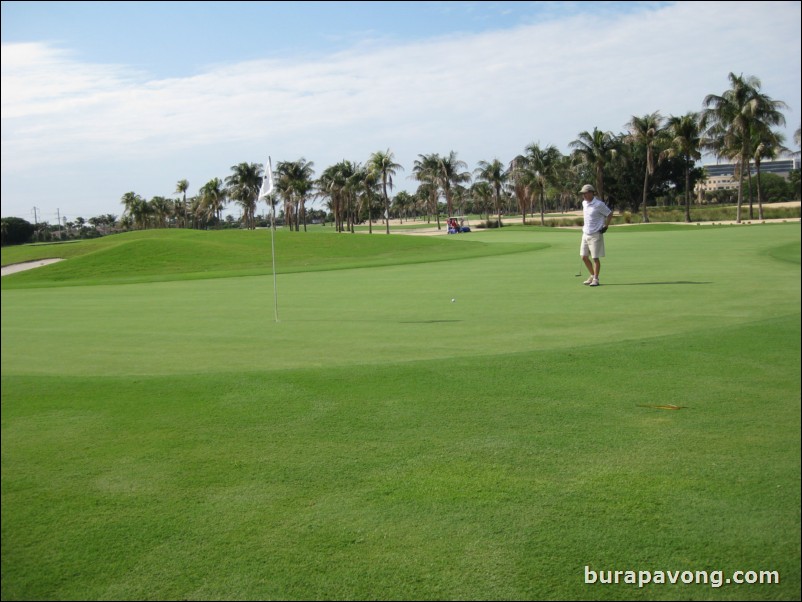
163 255
169 440
704 214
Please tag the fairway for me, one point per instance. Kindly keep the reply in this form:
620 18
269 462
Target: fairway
164 437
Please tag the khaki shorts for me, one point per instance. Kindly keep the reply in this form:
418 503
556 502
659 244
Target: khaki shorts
592 245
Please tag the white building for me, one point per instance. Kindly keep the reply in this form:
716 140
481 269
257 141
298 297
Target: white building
721 176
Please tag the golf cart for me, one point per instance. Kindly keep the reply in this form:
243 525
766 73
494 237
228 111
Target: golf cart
457 224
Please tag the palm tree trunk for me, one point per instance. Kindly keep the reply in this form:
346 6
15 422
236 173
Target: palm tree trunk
759 193
386 205
740 192
542 213
645 192
351 215
600 181
749 180
687 194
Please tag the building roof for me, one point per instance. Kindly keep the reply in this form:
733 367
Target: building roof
778 166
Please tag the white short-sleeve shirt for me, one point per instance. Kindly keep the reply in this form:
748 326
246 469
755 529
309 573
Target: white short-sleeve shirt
595 213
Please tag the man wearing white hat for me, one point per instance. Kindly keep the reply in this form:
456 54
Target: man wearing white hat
597 219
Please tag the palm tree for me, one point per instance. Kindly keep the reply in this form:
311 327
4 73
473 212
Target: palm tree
181 187
335 182
329 185
347 171
403 204
103 223
212 199
354 188
294 183
459 194
129 200
160 209
243 188
303 171
482 195
284 190
731 118
596 149
383 164
685 136
449 173
567 181
521 184
542 163
137 209
126 221
767 144
646 131
364 182
426 170
493 173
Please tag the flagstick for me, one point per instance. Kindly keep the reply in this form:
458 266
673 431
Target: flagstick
273 253
273 242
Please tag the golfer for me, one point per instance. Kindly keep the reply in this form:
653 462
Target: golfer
597 217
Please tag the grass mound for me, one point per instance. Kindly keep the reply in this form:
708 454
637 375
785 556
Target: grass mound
163 255
167 438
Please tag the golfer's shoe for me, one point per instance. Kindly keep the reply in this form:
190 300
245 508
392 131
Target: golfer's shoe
588 281
594 282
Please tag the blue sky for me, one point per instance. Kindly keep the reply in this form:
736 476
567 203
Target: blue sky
103 98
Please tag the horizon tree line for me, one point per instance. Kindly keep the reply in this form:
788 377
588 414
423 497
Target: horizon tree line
738 125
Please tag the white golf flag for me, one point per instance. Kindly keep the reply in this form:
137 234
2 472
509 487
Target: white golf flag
267 180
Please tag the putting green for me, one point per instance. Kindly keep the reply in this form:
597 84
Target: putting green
654 283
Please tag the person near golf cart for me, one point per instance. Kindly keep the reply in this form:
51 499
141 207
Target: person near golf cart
455 227
597 217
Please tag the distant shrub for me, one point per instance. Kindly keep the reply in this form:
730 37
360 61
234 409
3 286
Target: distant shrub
16 231
490 223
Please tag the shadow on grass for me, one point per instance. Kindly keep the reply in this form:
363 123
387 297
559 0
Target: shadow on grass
427 321
361 320
653 283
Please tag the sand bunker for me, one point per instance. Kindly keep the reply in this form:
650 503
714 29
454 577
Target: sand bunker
26 265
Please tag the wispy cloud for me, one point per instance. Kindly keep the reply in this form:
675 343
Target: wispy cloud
483 95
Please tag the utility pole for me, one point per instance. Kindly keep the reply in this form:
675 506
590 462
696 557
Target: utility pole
58 220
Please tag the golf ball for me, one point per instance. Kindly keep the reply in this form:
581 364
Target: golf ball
453 300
